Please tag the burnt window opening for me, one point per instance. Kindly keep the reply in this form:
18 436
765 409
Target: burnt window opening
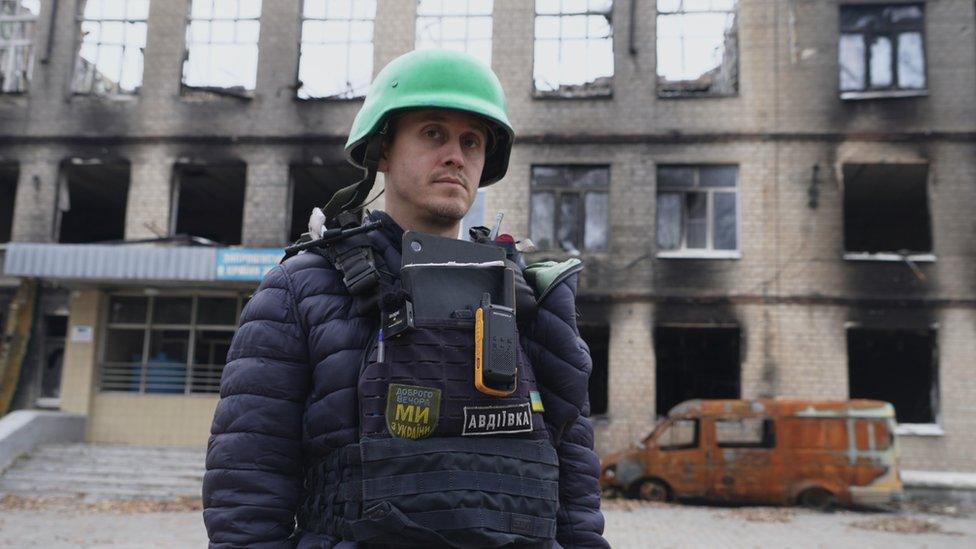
695 363
573 55
18 22
882 50
9 172
570 208
113 41
597 338
314 185
886 209
222 46
210 201
696 208
92 201
697 48
897 366
336 57
461 25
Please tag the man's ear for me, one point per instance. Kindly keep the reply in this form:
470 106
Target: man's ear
384 164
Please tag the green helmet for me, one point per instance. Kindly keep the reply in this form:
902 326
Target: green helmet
436 79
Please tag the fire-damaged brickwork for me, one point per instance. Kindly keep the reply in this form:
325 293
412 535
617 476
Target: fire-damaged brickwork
798 229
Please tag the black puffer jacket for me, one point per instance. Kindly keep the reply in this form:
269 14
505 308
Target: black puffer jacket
288 399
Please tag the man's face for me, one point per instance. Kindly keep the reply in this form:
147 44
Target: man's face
433 166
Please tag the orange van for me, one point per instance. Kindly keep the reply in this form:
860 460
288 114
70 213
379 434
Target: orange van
813 452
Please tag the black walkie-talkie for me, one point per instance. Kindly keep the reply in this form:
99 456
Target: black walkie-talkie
495 365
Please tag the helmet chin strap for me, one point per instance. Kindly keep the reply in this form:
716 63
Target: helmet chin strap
352 197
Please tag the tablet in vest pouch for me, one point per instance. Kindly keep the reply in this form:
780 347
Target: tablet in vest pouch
419 247
455 290
448 275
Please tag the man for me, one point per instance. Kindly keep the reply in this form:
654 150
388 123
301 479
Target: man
288 462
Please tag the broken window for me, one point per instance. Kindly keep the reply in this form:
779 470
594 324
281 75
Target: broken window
167 344
682 433
92 201
313 185
573 48
113 41
886 209
222 46
747 432
695 363
897 366
336 58
696 208
209 201
570 208
18 21
462 25
9 172
597 338
881 49
697 48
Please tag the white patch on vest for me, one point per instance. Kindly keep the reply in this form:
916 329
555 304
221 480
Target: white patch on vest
497 420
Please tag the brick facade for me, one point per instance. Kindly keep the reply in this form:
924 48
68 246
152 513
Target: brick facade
790 292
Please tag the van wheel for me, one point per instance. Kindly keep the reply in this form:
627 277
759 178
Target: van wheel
817 498
650 490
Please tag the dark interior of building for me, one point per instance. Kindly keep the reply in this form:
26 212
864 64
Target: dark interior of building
695 362
886 208
313 185
210 201
95 209
897 366
8 191
597 337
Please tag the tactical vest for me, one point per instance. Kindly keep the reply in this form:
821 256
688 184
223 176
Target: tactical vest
438 463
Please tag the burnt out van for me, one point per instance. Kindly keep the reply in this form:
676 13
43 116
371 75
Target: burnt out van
816 453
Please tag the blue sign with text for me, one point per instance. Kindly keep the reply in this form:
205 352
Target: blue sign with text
246 263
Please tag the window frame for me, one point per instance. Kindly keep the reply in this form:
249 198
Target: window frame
684 94
695 442
891 31
557 192
119 93
189 89
15 44
298 60
467 15
767 442
683 252
148 326
583 93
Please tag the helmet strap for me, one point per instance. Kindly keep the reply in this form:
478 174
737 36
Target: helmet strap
352 197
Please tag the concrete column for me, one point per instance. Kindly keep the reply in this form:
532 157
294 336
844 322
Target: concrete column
631 377
163 69
80 364
391 37
36 201
148 207
266 211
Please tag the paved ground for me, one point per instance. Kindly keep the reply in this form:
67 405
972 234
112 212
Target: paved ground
628 525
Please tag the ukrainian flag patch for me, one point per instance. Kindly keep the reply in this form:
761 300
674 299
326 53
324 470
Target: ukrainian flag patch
536 401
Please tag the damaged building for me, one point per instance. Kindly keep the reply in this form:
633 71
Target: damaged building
771 198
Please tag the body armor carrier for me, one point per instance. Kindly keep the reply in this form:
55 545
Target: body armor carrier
438 463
